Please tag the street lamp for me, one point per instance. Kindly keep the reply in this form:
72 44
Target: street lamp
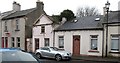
107 5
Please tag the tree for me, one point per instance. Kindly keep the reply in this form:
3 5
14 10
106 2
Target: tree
86 11
68 14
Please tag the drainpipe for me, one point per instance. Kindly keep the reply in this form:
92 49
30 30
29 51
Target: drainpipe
53 38
103 42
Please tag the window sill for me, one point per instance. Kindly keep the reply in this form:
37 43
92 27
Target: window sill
93 51
115 52
17 30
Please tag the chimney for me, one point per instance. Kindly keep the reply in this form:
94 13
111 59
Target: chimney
16 6
104 11
63 20
39 5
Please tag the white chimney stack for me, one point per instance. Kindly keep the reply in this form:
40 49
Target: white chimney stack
63 20
16 6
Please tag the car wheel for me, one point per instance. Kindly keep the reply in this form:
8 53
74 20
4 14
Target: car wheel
39 55
58 57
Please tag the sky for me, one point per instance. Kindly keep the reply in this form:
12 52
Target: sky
55 7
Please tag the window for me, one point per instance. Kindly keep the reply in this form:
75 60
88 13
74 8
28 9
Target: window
17 24
114 43
5 26
61 41
42 29
18 41
94 41
12 40
46 41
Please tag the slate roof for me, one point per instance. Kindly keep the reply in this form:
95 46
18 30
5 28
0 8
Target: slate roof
6 13
55 19
82 23
19 13
114 16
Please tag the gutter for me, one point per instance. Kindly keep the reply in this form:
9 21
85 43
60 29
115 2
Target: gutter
79 29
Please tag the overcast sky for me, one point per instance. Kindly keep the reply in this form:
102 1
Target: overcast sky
56 6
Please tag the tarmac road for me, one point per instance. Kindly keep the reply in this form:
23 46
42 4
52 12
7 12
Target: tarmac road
45 60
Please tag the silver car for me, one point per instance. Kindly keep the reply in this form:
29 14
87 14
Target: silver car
53 52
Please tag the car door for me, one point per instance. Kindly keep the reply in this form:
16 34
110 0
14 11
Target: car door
51 53
45 52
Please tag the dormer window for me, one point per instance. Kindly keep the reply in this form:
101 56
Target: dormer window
6 30
42 29
17 25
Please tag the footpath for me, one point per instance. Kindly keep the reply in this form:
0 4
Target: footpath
93 58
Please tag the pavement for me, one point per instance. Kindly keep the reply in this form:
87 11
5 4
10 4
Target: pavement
94 58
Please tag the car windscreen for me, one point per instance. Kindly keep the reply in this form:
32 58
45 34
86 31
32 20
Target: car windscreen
16 56
54 48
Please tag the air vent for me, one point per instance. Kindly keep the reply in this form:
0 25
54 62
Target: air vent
97 19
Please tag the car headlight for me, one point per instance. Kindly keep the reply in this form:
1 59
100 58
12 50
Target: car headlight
67 54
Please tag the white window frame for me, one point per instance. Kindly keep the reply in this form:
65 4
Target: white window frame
5 26
91 38
115 38
18 41
42 29
59 44
17 24
45 42
12 42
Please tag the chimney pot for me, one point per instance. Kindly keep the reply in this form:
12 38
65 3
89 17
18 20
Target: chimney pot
16 6
40 5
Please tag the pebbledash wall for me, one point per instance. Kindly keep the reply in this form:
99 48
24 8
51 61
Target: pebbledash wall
12 33
85 41
113 30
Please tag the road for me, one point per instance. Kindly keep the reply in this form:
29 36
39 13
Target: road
44 60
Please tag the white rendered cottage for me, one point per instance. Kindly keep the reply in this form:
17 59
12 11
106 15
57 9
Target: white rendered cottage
81 36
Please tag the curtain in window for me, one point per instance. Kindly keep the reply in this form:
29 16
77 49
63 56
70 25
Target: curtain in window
94 44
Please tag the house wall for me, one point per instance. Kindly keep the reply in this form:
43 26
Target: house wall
48 31
84 41
112 30
11 24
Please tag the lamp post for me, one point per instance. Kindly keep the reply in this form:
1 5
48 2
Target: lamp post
107 5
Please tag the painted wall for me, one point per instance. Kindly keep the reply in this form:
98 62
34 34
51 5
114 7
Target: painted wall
11 24
48 31
84 41
112 30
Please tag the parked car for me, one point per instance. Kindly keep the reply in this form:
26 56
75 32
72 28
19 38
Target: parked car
14 55
53 52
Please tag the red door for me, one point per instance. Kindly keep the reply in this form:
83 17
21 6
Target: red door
2 42
5 42
76 45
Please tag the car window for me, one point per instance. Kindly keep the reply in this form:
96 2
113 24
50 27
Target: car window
54 48
45 49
